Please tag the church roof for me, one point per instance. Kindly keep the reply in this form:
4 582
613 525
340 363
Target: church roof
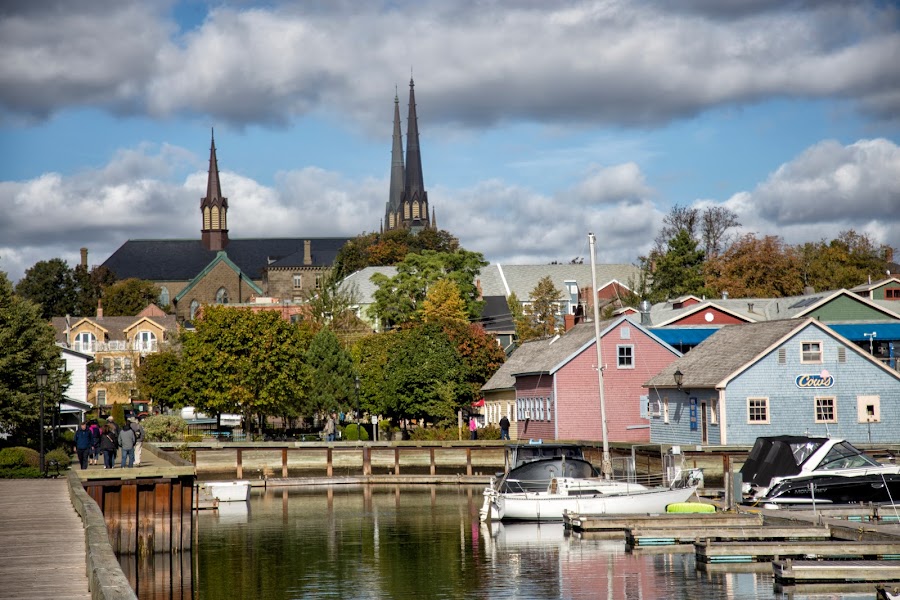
182 260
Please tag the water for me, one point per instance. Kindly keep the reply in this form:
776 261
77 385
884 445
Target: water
419 542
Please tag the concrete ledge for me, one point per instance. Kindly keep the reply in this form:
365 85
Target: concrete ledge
105 576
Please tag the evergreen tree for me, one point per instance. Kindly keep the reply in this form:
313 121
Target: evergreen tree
680 270
89 286
332 385
51 284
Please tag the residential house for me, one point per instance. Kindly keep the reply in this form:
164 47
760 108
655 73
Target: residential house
73 402
552 387
781 377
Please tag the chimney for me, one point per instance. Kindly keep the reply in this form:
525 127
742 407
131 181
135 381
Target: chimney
725 295
750 307
84 258
99 308
307 254
645 313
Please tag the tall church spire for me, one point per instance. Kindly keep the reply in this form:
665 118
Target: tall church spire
413 209
392 211
214 207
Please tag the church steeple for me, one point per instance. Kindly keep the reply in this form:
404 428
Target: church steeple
411 210
214 207
392 209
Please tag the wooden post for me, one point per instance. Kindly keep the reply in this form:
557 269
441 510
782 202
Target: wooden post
240 463
468 461
367 461
148 514
329 467
396 460
128 517
284 469
433 469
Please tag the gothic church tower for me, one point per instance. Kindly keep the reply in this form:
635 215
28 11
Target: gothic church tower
214 207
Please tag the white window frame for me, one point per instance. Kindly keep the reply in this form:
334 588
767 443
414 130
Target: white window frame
765 406
713 411
630 357
145 341
297 280
862 404
823 402
807 355
101 395
79 343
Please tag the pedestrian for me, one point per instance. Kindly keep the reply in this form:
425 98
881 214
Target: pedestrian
329 428
473 427
115 429
138 430
95 441
83 444
504 428
126 442
108 444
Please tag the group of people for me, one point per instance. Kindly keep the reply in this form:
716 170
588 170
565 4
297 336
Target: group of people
93 442
473 428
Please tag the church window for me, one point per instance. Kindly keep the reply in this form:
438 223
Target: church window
215 218
318 281
206 218
406 210
195 306
222 296
415 210
163 296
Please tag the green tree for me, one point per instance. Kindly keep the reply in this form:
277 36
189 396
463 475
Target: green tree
679 270
370 354
159 378
128 297
847 261
51 284
26 343
399 299
443 304
334 307
389 248
332 385
89 286
539 318
480 353
241 361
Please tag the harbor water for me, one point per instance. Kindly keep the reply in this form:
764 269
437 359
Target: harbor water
420 542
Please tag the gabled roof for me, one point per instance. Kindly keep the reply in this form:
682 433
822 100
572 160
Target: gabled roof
868 287
141 320
114 327
182 260
681 313
501 280
362 282
221 258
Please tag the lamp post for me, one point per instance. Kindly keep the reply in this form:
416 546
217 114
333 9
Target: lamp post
42 383
356 385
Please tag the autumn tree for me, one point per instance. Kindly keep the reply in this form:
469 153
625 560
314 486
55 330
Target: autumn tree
845 262
755 268
444 304
389 248
50 284
538 319
480 353
128 297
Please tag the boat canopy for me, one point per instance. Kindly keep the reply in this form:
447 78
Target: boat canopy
778 456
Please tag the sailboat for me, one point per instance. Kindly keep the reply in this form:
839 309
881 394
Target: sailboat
585 495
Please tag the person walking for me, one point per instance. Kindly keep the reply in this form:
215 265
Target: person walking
473 428
138 430
95 441
110 422
126 442
83 444
108 444
504 428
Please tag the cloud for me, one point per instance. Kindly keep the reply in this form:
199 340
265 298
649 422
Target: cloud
610 62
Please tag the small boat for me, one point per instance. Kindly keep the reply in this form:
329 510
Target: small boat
593 496
533 465
800 470
228 491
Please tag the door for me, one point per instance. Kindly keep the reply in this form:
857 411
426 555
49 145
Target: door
704 434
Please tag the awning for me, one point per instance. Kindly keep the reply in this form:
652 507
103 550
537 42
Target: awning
857 331
683 336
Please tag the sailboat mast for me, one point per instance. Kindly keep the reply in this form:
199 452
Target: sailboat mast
606 466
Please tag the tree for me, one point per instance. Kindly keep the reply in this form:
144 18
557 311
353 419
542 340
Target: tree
50 284
159 378
444 304
370 354
89 286
539 318
845 262
715 221
679 218
241 361
398 299
480 353
679 271
755 268
389 248
332 384
333 307
128 297
26 344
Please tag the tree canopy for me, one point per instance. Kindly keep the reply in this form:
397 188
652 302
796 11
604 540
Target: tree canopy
538 319
389 248
755 268
62 291
128 297
332 374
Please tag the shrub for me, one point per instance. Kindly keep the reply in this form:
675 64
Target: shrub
66 439
164 428
20 457
352 433
491 432
434 434
60 456
193 437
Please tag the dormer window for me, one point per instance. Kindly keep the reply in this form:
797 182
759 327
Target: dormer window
145 341
85 342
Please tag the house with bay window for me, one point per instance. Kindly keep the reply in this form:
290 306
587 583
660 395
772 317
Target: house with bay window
787 377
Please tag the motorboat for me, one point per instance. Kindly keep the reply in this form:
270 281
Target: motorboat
228 491
580 495
800 470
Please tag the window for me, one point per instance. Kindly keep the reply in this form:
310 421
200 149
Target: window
163 296
101 397
714 411
645 407
811 352
222 296
892 293
550 408
145 341
298 280
318 281
825 412
625 357
758 411
85 342
868 409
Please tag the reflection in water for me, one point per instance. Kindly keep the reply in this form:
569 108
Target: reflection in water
413 542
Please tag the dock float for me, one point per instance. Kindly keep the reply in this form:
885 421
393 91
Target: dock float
756 551
658 536
809 571
620 523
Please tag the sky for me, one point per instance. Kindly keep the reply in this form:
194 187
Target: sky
540 122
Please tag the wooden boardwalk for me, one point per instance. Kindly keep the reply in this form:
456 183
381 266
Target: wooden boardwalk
42 543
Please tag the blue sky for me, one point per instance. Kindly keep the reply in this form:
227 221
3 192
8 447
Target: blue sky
539 122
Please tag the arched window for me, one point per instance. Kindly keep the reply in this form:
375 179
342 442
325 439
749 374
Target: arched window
195 306
85 342
206 218
145 341
215 217
415 208
222 296
163 296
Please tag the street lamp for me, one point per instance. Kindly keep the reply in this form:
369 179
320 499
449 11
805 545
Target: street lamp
42 383
356 385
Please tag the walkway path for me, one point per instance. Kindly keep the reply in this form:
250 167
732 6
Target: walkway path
42 546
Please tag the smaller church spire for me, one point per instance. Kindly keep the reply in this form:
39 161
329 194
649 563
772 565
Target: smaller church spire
213 206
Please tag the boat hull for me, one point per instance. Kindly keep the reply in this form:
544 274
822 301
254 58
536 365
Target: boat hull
545 506
228 491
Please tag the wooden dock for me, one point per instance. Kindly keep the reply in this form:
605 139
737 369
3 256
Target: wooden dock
755 551
695 522
42 542
810 571
673 535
